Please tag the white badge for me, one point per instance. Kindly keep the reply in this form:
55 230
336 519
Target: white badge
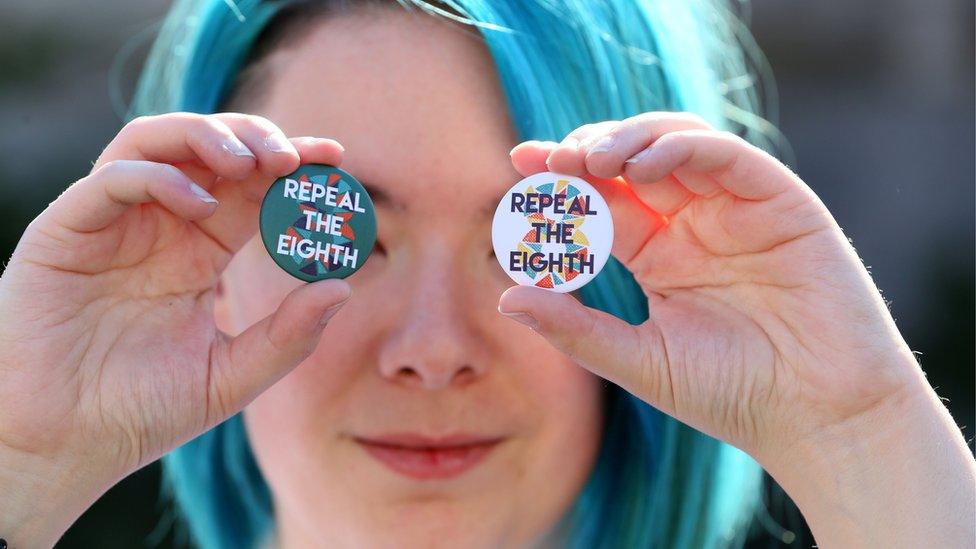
553 231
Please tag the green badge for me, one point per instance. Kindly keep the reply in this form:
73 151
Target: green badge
318 222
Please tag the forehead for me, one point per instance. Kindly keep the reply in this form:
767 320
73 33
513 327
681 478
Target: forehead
414 99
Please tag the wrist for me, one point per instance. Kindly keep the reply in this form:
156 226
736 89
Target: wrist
41 498
899 474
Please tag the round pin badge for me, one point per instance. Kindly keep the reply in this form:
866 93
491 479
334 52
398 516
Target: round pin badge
553 231
318 222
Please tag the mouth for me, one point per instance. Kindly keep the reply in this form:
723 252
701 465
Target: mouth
428 458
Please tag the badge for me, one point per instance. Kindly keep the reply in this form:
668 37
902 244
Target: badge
552 231
318 222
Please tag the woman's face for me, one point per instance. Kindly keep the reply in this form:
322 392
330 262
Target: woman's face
424 417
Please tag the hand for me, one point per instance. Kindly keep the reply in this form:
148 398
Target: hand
765 329
109 356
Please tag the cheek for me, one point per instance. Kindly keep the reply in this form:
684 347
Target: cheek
565 405
287 423
252 288
567 401
292 431
304 407
552 407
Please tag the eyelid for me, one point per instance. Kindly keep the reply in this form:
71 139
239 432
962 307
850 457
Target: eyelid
380 197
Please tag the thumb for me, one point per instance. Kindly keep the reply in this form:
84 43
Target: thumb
631 356
244 366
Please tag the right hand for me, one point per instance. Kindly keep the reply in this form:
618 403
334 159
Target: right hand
109 355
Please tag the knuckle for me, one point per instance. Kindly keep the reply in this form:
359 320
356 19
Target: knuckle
136 125
246 121
111 167
140 121
651 118
647 119
583 130
165 174
670 140
605 129
738 141
169 173
693 118
209 125
261 123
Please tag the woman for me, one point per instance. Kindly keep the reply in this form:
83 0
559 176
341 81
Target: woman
139 310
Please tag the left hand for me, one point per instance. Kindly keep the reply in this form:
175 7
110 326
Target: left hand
765 328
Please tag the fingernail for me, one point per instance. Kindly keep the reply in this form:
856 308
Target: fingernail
277 142
331 311
524 318
637 157
237 148
202 194
603 145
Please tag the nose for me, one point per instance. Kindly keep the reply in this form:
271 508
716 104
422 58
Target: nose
435 344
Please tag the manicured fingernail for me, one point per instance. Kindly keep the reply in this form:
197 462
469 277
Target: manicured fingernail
277 142
603 145
637 157
202 194
236 147
524 318
569 142
331 311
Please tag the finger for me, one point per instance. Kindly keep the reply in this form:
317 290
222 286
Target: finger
666 197
606 154
276 154
630 356
529 157
319 150
248 364
707 162
236 221
634 222
568 157
96 200
174 138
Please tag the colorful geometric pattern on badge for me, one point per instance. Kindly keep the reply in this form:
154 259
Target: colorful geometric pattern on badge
318 222
552 231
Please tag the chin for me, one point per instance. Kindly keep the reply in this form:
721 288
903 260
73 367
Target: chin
435 522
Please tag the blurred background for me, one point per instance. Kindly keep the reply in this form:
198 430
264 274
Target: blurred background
876 98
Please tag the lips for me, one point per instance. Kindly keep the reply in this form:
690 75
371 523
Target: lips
428 458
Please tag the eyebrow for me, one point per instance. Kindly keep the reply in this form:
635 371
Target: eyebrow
380 196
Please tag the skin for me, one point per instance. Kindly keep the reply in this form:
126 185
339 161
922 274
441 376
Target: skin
125 328
423 335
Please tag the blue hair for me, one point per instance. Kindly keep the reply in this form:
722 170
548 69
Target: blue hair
561 63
